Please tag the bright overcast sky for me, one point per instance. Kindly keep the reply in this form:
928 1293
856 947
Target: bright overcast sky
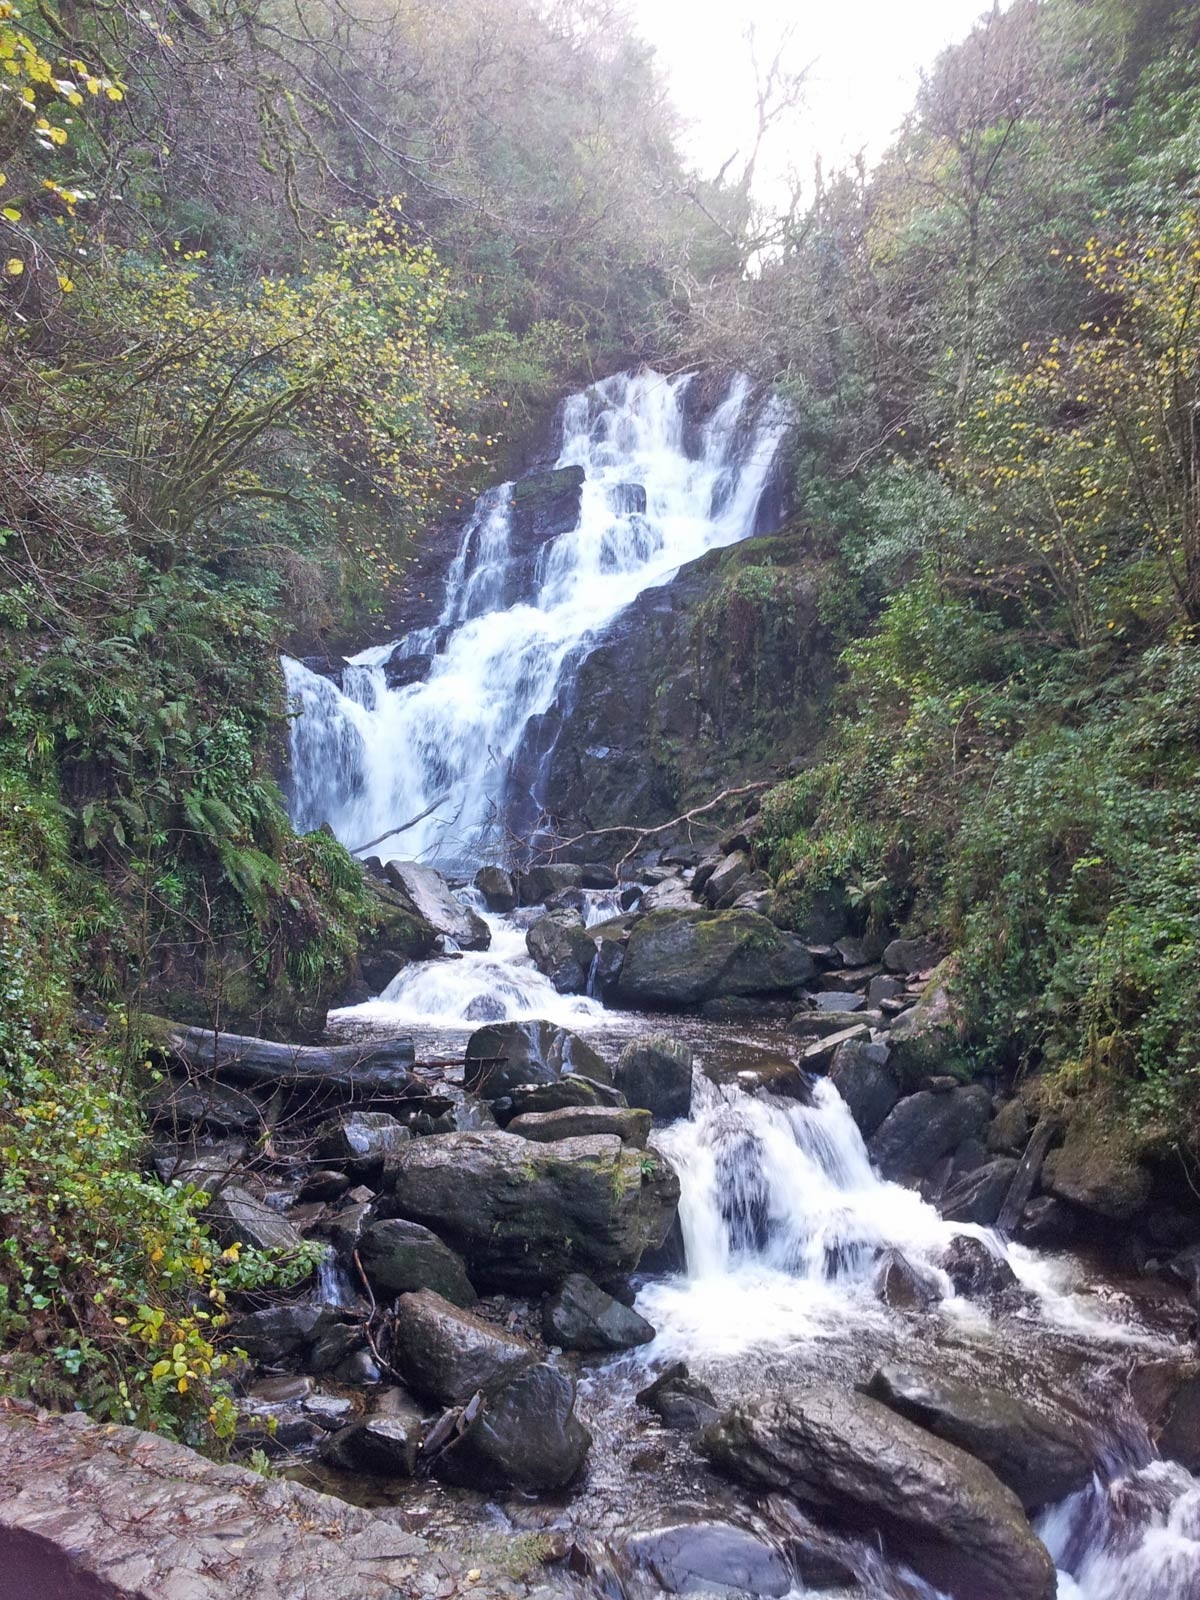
865 55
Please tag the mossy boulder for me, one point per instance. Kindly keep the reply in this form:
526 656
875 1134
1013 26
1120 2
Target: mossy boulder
679 959
927 1040
1098 1167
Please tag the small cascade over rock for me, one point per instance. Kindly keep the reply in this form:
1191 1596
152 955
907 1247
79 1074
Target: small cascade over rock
433 724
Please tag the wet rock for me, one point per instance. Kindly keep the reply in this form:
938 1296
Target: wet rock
903 1285
571 1093
974 1270
672 894
925 1126
277 1332
927 1038
883 988
447 1353
338 1343
1046 1223
524 1214
1008 1133
978 1196
679 1400
1097 1169
378 1446
237 1217
859 952
823 1023
710 1557
497 889
399 671
536 885
203 1103
562 950
726 876
910 955
362 1141
655 1073
850 1457
525 1436
324 1183
544 505
581 1316
432 899
506 1054
400 1257
394 936
677 959
610 958
329 1411
1167 1395
860 1073
627 498
630 1125
844 1001
1041 1460
345 1227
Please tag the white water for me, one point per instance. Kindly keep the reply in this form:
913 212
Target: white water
366 758
1134 1537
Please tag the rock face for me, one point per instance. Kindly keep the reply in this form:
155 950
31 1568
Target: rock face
1039 1459
925 1126
678 959
431 899
656 1074
1167 1394
523 1214
525 1435
401 1257
447 1353
562 950
854 1459
507 1054
581 1316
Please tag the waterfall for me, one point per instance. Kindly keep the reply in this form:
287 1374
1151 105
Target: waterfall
656 493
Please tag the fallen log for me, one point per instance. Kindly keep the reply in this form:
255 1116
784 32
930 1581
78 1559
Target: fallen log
373 1068
1026 1176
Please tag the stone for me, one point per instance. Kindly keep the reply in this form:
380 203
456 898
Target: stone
544 505
1096 1169
710 1558
581 1316
447 1353
570 1093
679 1400
821 1024
496 887
1167 1394
1040 1459
630 1124
655 1073
902 1285
610 958
927 1038
362 1141
860 1073
238 1217
928 1501
536 885
395 935
324 1183
845 1001
1046 1223
383 1446
677 959
345 1227
925 1126
627 498
329 1411
399 1257
974 1270
277 1332
978 1196
725 877
562 950
859 952
433 900
883 988
506 1054
1008 1132
524 1436
672 894
524 1214
910 955
203 1103
338 1343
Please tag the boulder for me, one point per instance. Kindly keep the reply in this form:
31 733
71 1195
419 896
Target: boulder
656 1074
581 1316
910 955
536 885
571 1093
203 1103
923 1127
393 935
432 899
978 1196
1167 1395
447 1353
277 1332
610 958
845 1001
1041 1460
562 950
679 1400
1096 1169
237 1217
1009 1130
860 1073
927 1038
849 1456
506 1054
677 959
361 1141
401 1257
860 952
383 1446
524 1214
1046 1223
672 894
544 505
723 880
497 888
904 1286
630 1125
710 1558
976 1271
525 1435
883 988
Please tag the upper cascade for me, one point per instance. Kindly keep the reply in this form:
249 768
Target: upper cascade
433 723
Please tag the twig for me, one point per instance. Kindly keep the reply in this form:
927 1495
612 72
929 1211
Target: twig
648 833
403 828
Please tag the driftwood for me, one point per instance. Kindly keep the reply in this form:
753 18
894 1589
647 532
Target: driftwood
1026 1175
373 1068
403 828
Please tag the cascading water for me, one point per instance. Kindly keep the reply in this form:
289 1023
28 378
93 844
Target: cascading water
367 758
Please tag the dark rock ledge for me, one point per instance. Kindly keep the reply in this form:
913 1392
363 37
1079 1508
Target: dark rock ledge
95 1512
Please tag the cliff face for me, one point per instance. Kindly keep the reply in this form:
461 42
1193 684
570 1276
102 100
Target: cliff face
721 676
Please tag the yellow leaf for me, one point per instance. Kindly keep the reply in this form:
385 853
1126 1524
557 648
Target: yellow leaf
65 284
14 266
11 213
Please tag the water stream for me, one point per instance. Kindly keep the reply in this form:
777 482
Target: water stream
784 1219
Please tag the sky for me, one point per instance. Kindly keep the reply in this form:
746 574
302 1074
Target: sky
864 59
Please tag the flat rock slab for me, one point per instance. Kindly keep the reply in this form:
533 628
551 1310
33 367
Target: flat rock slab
94 1512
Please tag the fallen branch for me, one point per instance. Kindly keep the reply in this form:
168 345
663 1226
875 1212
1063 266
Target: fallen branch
403 828
641 834
376 1069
